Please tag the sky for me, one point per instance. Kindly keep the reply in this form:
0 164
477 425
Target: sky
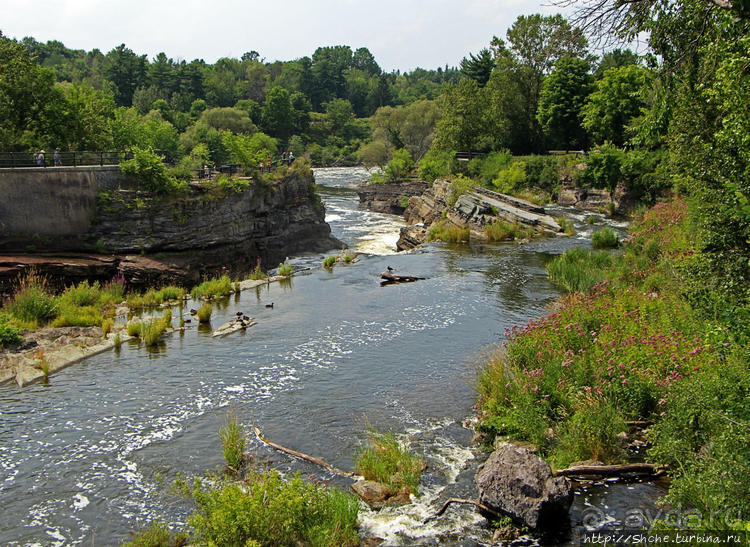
401 34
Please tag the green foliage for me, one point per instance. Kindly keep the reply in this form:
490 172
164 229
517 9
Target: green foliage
32 303
71 315
212 288
448 232
437 164
149 169
386 460
233 443
478 67
267 510
249 151
285 269
606 238
603 168
9 335
579 269
463 121
487 168
329 261
399 167
257 274
157 534
511 177
459 186
501 230
204 313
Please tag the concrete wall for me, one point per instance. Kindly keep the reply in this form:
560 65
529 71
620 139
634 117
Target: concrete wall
53 202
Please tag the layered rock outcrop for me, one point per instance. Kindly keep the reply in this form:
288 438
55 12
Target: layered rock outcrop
473 209
95 228
389 197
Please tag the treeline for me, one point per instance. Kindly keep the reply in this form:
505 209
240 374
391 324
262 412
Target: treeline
91 100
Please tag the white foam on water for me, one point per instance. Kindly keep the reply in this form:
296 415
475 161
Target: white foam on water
79 502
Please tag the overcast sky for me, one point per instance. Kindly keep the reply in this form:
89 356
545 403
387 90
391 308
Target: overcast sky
401 34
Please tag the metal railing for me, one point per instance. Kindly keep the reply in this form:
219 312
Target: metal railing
64 159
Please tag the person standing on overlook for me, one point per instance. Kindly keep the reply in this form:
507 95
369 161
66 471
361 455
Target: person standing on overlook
40 159
57 157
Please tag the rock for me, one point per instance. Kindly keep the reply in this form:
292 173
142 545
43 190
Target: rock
411 237
402 498
371 542
505 533
516 482
388 198
371 492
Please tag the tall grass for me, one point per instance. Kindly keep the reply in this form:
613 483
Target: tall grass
387 461
157 534
233 443
216 287
501 230
268 510
285 269
580 269
204 313
329 261
32 303
606 238
447 232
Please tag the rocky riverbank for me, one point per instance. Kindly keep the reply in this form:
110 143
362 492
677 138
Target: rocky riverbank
93 229
390 198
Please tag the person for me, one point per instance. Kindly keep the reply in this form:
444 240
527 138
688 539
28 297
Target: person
268 162
261 166
291 157
40 159
57 157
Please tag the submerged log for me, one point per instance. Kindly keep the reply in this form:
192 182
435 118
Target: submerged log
610 470
388 277
475 503
301 455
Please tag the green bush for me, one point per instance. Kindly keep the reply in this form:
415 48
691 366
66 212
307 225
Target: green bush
149 169
233 443
33 304
488 167
387 461
83 294
459 186
511 177
606 238
267 510
329 261
579 269
9 335
437 165
604 168
399 167
204 313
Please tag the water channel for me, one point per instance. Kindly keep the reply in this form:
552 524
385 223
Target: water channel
89 457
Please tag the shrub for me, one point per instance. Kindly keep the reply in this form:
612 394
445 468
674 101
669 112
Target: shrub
267 510
511 177
606 238
149 169
285 269
459 186
9 335
437 164
204 313
604 168
32 303
233 443
328 262
82 294
487 168
579 269
387 461
448 232
399 167
134 328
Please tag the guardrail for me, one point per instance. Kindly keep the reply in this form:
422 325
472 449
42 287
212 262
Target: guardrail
67 159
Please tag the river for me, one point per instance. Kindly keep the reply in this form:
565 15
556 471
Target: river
89 456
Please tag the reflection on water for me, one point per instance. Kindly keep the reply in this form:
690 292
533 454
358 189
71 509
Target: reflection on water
81 459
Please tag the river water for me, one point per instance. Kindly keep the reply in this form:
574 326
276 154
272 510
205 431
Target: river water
89 457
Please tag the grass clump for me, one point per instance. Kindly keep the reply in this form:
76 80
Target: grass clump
387 461
580 269
257 274
268 510
448 232
32 304
606 238
204 313
233 443
500 230
216 287
328 262
285 269
157 534
567 226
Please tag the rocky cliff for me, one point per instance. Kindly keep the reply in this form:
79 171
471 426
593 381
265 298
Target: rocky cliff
389 197
94 229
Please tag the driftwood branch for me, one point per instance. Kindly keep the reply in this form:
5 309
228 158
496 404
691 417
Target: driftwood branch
303 456
465 501
391 278
610 470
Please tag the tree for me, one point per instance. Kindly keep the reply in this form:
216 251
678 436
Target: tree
561 101
127 71
615 59
478 67
618 98
89 112
233 119
277 113
463 123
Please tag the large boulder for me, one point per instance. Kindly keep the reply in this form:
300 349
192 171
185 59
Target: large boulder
516 482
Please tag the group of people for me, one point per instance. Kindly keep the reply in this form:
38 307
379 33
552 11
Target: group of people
266 166
40 161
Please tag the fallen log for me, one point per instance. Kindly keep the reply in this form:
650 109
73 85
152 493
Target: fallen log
610 470
391 278
303 456
475 503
